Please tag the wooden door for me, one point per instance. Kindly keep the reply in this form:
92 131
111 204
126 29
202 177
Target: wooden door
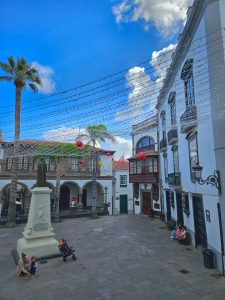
123 204
147 203
199 221
180 217
168 207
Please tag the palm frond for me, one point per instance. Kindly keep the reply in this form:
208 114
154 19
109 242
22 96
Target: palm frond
37 80
6 78
11 62
33 87
6 68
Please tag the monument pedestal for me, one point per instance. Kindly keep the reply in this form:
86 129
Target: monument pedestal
38 236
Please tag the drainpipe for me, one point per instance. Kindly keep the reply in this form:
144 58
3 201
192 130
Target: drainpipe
221 236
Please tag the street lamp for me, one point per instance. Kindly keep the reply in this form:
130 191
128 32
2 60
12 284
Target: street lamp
213 180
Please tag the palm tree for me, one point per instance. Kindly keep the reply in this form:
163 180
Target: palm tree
23 76
95 133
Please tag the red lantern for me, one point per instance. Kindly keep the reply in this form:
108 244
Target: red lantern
79 143
108 154
141 155
81 161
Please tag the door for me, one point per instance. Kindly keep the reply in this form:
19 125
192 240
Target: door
199 221
123 204
147 203
168 207
180 217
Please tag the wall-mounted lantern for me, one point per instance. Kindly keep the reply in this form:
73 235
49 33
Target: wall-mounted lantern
213 180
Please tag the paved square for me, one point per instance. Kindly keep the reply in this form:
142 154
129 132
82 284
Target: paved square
119 257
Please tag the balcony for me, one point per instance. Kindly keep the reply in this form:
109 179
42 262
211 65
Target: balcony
163 145
188 119
174 179
144 178
172 136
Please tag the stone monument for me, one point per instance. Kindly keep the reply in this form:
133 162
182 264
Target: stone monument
38 236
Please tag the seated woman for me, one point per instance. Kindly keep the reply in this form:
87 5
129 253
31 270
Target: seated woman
23 266
176 232
182 234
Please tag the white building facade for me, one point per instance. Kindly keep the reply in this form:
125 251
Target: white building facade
191 120
122 189
75 181
144 167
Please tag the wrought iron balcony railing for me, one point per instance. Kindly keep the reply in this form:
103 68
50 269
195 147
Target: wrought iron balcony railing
188 119
172 136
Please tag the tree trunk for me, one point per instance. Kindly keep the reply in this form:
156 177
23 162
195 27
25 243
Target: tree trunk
57 196
94 186
13 188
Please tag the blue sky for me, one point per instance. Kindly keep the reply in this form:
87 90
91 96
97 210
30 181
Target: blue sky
77 42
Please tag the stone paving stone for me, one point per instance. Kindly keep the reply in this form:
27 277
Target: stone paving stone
122 257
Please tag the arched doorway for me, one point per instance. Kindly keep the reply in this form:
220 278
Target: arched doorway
64 200
22 198
84 198
69 195
87 195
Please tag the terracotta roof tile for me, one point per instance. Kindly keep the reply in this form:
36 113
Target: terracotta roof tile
117 165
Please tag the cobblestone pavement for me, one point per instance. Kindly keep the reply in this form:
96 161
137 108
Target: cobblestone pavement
119 257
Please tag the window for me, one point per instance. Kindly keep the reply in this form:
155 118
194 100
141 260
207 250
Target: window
187 77
23 163
172 103
163 123
51 165
165 166
133 167
146 143
175 159
74 164
185 203
140 165
193 154
123 180
9 163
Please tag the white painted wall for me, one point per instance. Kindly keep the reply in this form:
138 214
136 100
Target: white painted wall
198 52
128 190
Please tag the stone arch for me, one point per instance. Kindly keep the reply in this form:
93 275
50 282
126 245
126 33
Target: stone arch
69 191
86 194
22 199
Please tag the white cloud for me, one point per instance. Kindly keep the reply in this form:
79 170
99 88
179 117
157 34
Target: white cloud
62 134
45 73
161 61
122 147
138 99
166 15
68 135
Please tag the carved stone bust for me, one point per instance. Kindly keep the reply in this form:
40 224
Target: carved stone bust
41 173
